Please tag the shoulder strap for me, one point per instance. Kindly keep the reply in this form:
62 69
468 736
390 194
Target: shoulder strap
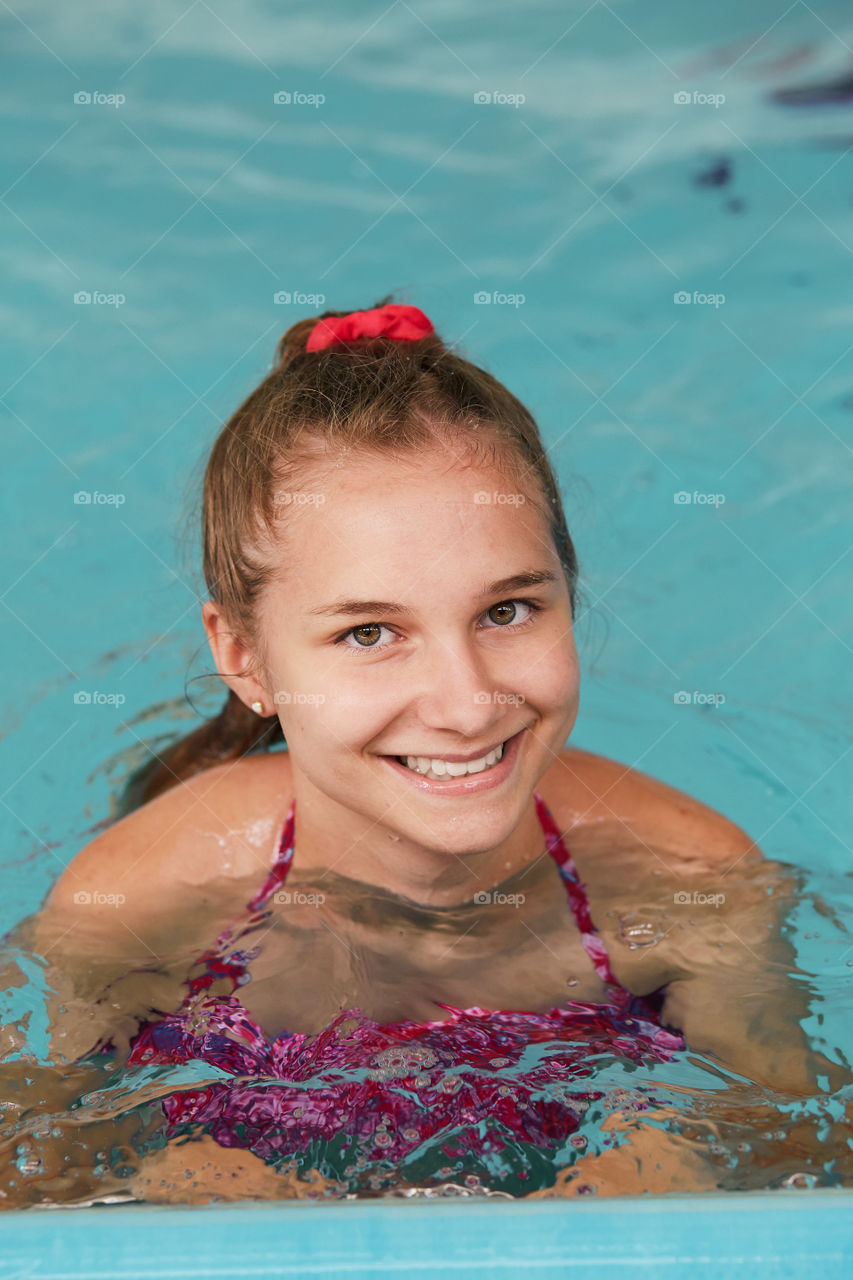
281 863
576 890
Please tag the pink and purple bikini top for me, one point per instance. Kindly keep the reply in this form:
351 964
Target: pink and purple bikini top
385 1089
219 1031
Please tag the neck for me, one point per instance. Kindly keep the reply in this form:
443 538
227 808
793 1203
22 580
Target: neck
332 837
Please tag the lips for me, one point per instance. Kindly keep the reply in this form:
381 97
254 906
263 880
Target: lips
451 757
466 784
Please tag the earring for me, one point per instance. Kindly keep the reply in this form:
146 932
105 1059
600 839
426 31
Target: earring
259 707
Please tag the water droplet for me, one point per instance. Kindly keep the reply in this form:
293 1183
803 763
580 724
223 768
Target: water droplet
640 929
571 982
804 1180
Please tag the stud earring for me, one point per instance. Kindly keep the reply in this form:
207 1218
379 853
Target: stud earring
259 707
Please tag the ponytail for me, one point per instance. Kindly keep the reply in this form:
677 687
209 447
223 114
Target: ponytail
235 732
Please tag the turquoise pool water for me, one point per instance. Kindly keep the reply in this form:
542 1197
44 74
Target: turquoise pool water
580 199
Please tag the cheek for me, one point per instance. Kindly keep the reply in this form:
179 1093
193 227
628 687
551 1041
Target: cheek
339 720
549 675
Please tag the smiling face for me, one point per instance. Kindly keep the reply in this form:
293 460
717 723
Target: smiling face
393 629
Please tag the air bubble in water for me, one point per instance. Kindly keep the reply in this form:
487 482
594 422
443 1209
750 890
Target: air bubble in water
27 1161
641 929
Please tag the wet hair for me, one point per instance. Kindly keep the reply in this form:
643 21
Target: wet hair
370 395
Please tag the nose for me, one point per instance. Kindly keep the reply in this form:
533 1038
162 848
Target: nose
455 690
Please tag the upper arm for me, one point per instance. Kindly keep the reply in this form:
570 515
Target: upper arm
190 850
595 788
727 966
733 986
136 905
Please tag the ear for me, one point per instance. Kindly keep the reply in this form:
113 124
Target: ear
231 657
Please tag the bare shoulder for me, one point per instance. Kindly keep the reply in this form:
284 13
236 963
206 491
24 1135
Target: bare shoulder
585 790
216 829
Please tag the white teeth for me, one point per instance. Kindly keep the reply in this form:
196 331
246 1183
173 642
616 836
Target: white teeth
447 768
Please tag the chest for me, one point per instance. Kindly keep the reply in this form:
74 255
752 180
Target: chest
311 967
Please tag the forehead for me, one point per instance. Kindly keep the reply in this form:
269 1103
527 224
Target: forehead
369 493
390 519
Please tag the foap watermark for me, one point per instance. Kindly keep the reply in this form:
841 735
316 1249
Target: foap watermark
97 298
94 698
295 697
682 298
286 298
482 498
684 499
285 896
95 898
493 897
84 98
698 699
696 98
497 98
296 98
696 898
483 298
94 498
297 498
483 696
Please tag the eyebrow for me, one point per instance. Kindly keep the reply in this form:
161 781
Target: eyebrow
358 608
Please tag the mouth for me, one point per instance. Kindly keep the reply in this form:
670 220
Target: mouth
459 777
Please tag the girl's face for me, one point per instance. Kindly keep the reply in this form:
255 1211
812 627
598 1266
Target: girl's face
392 630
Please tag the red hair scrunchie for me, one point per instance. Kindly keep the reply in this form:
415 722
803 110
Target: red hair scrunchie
404 324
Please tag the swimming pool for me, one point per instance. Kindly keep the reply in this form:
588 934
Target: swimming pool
190 213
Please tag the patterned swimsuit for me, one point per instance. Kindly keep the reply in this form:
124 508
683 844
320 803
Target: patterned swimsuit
385 1089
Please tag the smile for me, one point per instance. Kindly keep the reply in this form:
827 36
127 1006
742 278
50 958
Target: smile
430 767
438 776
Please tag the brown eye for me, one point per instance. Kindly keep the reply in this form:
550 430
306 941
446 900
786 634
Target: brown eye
358 632
506 610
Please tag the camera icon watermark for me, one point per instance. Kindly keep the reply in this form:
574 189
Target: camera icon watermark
296 98
87 698
493 897
82 98
685 499
285 896
95 898
483 298
682 298
97 298
284 298
295 697
483 498
497 696
496 98
94 498
683 898
685 98
698 699
296 498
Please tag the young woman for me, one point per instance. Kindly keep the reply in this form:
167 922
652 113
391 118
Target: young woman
428 876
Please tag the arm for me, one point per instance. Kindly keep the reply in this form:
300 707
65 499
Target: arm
110 946
734 987
732 984
729 972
